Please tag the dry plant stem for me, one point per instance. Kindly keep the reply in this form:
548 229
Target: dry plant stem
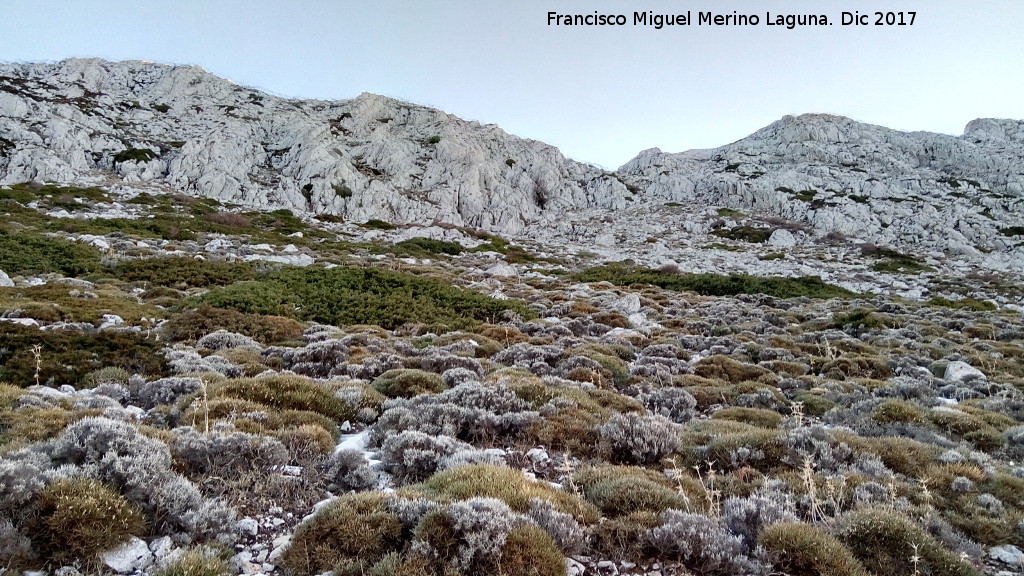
812 492
37 352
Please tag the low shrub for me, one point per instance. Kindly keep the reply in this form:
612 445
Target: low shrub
802 549
530 551
23 253
639 439
353 527
268 330
196 562
713 284
428 246
754 416
507 485
285 393
348 295
183 272
67 356
885 541
82 518
406 383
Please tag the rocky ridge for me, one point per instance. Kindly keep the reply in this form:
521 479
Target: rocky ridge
181 129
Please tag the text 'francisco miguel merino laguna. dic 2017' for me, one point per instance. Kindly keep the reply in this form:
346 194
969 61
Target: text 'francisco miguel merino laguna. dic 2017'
789 21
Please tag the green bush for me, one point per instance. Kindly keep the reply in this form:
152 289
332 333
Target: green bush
884 541
349 295
962 304
713 284
408 382
800 549
355 527
22 253
83 517
135 155
66 357
744 233
422 246
183 271
375 224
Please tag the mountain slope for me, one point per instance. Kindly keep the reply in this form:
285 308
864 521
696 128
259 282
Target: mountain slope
180 129
369 157
952 194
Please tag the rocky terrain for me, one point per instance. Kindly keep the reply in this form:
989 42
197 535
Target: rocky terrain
241 334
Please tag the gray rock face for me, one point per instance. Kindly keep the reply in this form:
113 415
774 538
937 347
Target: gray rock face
954 195
5 280
369 157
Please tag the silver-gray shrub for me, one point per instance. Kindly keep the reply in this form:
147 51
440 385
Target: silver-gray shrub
455 376
439 361
228 453
470 411
472 456
703 545
114 391
15 547
640 439
165 390
1014 441
372 366
410 510
482 526
20 479
870 493
411 456
224 340
347 470
746 517
675 404
186 362
528 355
568 534
118 454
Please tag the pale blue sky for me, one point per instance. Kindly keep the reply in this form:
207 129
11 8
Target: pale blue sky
601 94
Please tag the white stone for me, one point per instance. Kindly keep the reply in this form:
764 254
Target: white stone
161 547
574 568
1007 554
781 238
502 269
537 455
279 545
111 321
628 304
958 371
248 526
132 556
5 280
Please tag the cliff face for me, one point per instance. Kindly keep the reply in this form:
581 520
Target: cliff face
180 128
369 157
953 194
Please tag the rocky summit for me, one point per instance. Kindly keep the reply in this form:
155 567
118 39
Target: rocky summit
243 334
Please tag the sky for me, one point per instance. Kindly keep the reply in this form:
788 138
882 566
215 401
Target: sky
600 93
